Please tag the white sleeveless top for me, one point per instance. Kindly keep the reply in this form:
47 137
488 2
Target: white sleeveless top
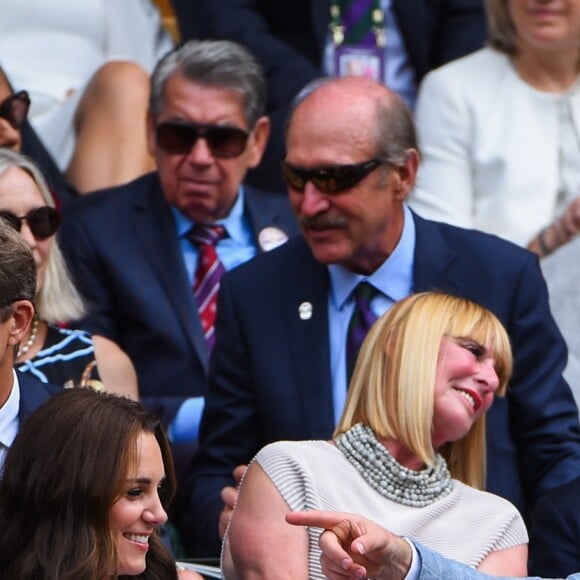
466 525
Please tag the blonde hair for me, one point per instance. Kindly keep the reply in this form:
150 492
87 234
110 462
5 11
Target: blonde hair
392 388
502 32
58 300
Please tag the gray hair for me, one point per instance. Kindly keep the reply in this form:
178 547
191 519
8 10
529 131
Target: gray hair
58 300
213 63
395 128
17 270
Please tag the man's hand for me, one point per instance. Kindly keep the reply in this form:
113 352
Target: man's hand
355 547
229 496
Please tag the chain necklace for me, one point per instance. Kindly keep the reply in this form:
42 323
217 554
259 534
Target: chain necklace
31 339
391 479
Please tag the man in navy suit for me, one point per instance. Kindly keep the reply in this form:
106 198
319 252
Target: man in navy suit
20 394
278 370
555 532
289 38
128 247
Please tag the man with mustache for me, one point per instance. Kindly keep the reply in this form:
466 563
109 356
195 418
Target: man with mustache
279 368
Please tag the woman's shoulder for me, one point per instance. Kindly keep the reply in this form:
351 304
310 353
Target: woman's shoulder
486 502
67 337
477 63
295 449
471 76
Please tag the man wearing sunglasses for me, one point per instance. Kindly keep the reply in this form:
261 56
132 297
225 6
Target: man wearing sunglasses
20 393
279 367
130 248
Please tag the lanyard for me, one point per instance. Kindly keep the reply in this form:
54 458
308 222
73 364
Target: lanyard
337 29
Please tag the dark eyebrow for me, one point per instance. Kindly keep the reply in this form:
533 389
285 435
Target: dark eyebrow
144 480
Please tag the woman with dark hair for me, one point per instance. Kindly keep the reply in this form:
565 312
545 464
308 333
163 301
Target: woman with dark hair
84 492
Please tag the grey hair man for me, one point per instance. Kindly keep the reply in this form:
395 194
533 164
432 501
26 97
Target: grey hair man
138 252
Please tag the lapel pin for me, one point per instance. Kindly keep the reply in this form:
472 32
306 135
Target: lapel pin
305 311
270 238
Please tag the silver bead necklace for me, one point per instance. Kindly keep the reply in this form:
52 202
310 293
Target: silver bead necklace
391 479
31 339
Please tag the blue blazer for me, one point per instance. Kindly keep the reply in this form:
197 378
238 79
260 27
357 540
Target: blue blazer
270 373
288 38
555 532
33 394
124 254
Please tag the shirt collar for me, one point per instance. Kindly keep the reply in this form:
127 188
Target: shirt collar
9 414
232 222
393 278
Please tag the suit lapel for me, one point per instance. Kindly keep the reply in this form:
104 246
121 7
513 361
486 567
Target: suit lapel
434 260
155 230
309 340
32 395
263 210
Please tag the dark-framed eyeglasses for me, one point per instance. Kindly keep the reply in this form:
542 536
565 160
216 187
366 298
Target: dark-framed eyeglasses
14 108
224 141
42 221
330 178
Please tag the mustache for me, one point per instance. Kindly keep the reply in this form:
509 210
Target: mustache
323 222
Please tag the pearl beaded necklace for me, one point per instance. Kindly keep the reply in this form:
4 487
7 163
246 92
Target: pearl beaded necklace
384 474
31 340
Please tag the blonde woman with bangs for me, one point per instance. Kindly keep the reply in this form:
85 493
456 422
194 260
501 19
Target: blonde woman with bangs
408 451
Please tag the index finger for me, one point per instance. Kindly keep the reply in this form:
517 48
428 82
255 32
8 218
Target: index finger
317 519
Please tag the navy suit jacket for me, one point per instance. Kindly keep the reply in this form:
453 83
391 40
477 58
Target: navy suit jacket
288 38
270 376
124 254
555 532
33 394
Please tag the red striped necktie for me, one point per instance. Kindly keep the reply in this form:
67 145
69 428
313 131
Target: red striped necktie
208 273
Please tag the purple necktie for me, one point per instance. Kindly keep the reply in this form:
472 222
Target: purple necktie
357 19
206 281
360 323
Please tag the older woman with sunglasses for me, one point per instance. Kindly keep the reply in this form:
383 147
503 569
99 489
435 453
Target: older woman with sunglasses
51 352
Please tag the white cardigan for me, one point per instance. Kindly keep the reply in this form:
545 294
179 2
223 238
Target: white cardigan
489 143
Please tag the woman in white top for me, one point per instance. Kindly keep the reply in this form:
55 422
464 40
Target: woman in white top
408 451
86 67
499 129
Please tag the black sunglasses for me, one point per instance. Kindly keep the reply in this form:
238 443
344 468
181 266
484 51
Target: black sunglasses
331 178
14 108
43 221
178 138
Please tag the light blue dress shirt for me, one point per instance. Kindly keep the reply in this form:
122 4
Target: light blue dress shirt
9 419
393 279
399 73
235 249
